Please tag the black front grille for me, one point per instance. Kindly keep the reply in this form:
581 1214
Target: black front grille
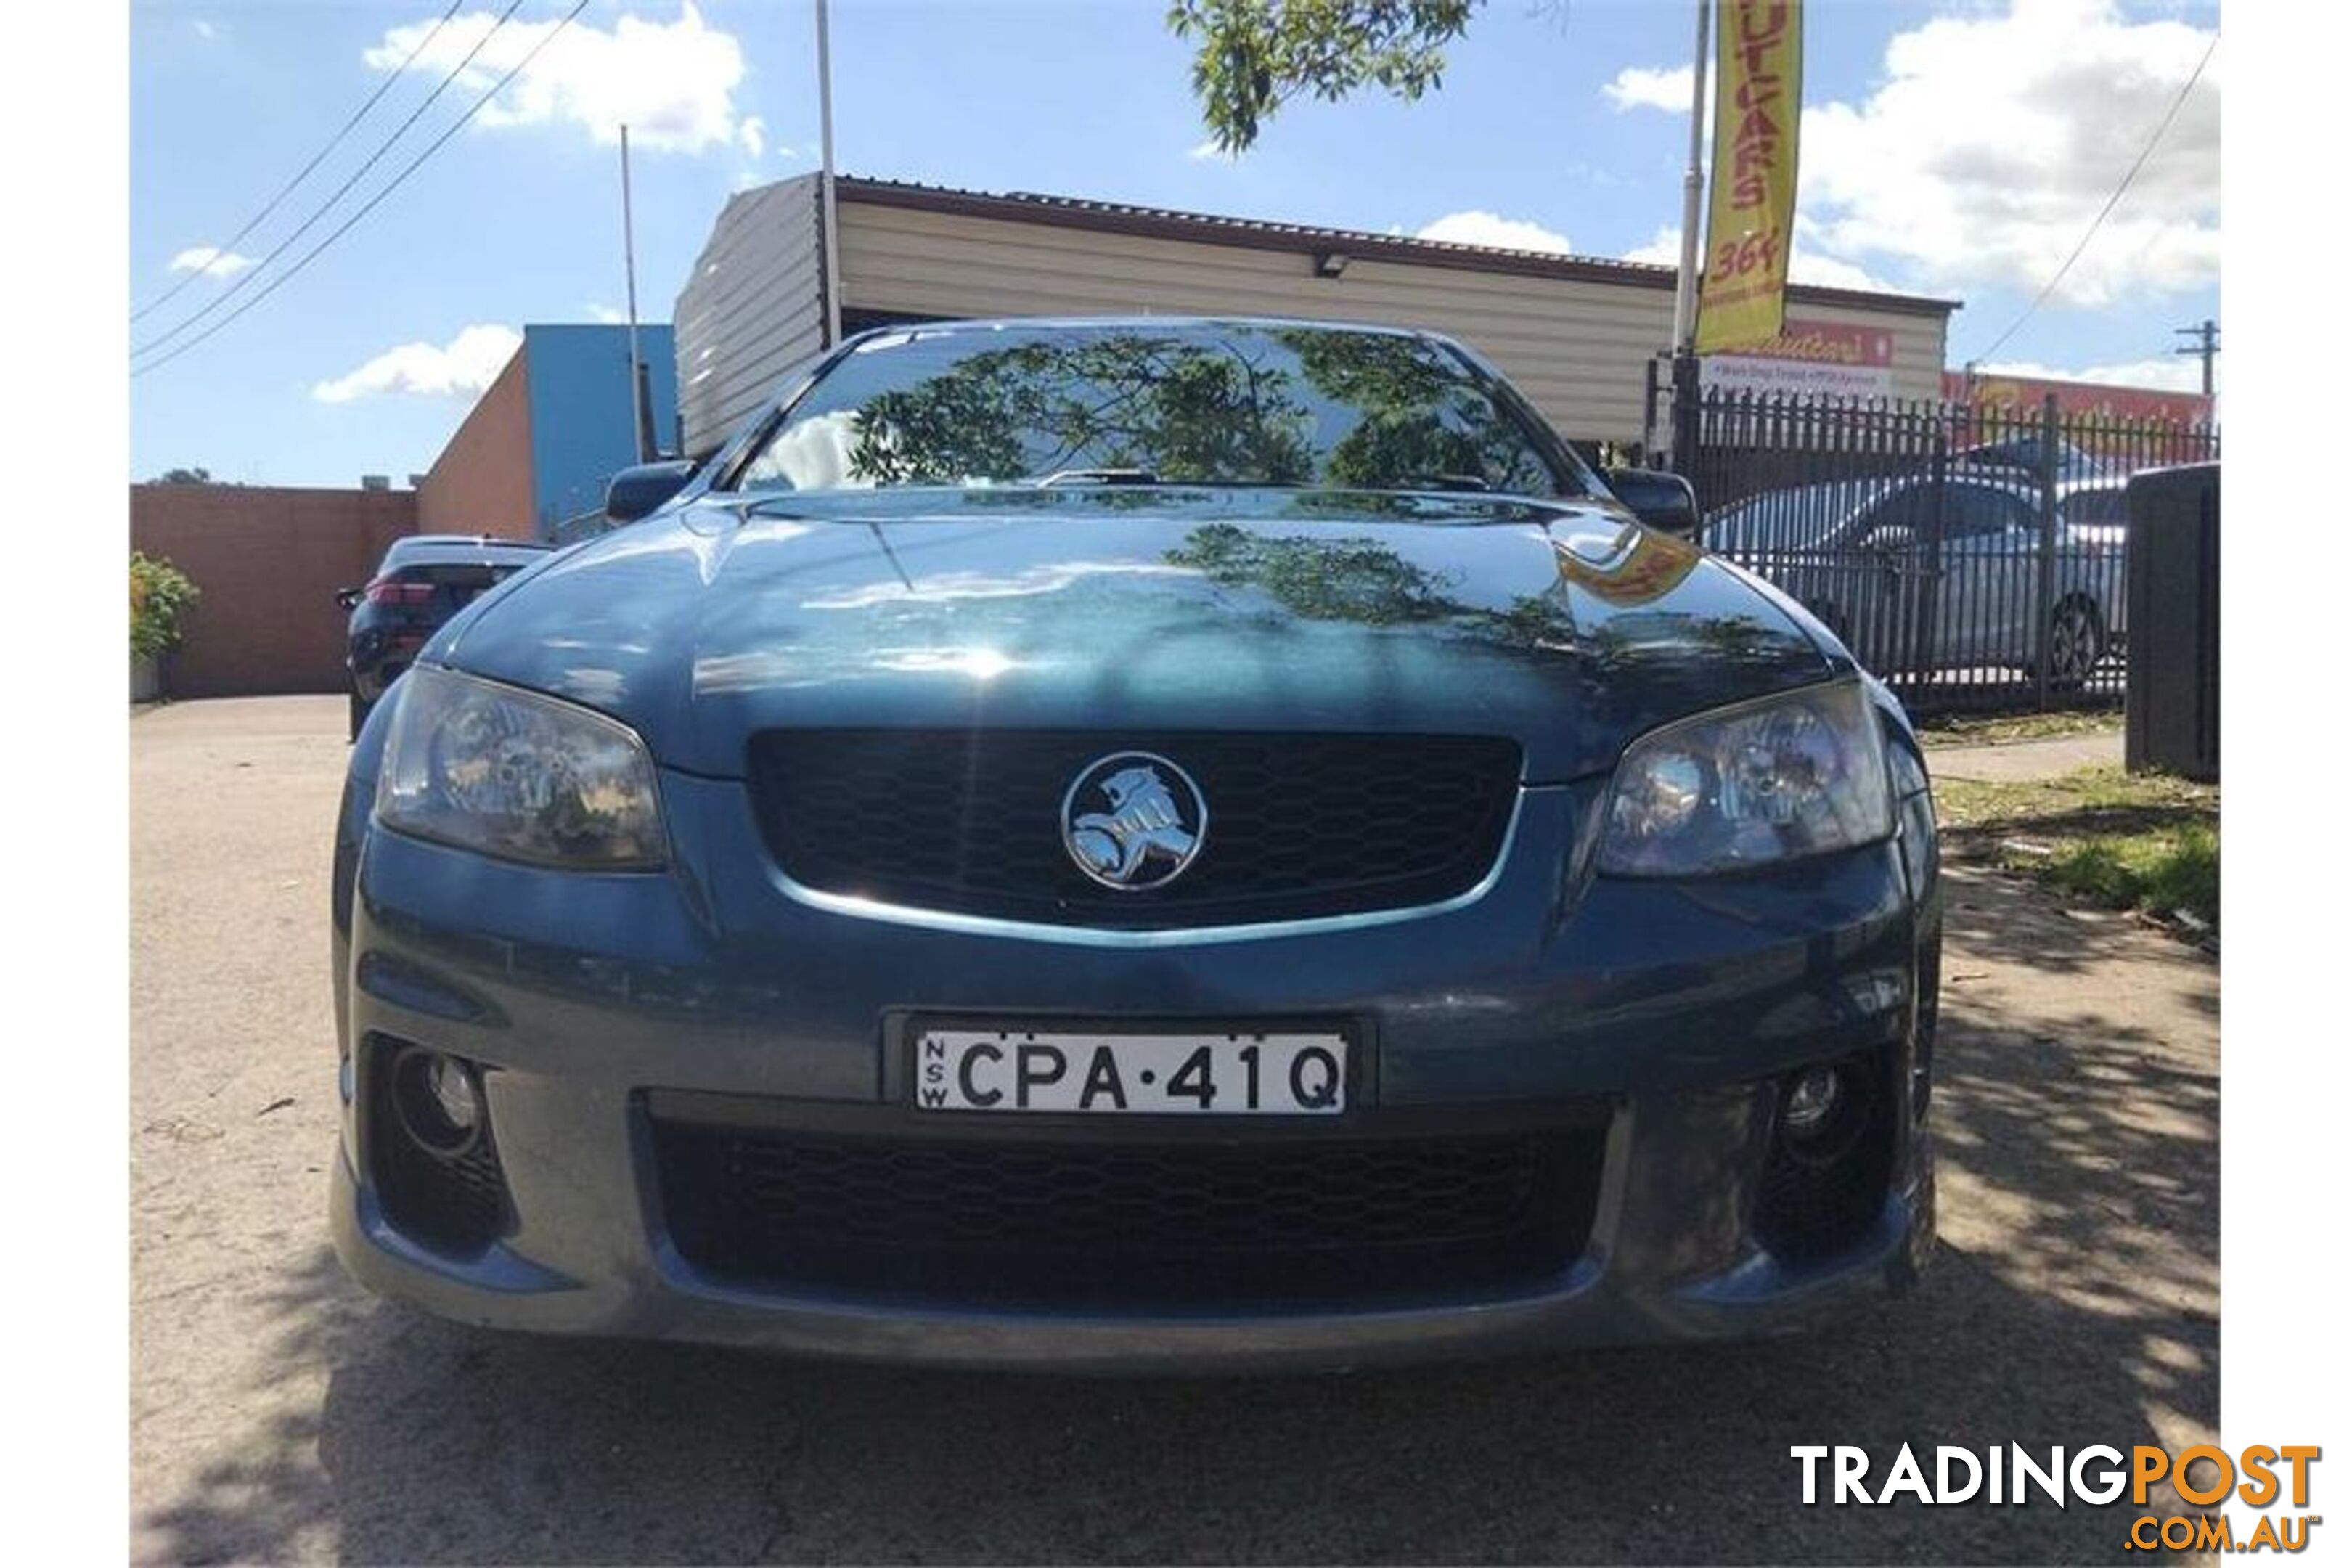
1272 1221
971 821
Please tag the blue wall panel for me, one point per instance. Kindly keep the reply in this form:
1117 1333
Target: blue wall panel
581 411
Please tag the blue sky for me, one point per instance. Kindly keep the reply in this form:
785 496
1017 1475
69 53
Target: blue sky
1957 148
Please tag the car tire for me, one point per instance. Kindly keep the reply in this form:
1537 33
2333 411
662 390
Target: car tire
359 708
2076 642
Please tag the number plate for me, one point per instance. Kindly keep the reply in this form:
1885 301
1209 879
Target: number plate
1241 1074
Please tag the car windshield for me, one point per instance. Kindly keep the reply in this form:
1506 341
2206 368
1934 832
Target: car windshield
2105 505
1191 403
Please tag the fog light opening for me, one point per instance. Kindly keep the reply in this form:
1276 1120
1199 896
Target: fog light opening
1822 1109
1812 1100
438 1098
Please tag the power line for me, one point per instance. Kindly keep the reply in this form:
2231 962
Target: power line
2129 174
286 190
237 286
345 228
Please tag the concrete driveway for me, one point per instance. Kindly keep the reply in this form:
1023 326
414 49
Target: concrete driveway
279 1413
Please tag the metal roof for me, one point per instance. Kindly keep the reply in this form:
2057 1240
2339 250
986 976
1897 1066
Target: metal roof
1128 320
1168 223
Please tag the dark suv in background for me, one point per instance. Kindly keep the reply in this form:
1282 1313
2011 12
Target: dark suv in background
422 581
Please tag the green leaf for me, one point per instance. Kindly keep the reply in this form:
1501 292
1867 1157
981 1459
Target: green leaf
1254 56
160 594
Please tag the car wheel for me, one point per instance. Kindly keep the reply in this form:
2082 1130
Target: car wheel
359 708
2077 643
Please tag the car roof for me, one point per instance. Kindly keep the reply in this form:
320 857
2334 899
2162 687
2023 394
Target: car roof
1866 489
460 546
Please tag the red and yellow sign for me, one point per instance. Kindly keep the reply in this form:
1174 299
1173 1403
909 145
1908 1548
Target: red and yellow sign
1810 357
1759 91
2087 399
1831 342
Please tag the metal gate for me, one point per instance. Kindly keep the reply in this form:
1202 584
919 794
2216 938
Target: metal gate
1971 557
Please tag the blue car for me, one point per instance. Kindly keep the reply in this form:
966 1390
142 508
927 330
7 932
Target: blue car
1147 844
423 579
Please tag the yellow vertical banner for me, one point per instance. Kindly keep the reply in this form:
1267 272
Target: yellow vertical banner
1759 91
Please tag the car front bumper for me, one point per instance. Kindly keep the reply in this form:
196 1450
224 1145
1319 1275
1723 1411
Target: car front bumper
1665 1016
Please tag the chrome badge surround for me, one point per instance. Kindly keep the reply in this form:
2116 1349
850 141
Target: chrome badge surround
1147 837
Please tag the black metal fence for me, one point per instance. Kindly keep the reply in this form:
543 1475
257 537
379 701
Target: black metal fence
1972 557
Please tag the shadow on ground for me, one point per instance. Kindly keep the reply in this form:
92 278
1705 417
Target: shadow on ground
1992 914
2072 1304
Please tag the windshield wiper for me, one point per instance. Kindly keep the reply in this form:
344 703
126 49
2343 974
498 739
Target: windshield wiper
1098 477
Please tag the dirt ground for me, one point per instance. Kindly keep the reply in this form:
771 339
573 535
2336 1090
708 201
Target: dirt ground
279 1413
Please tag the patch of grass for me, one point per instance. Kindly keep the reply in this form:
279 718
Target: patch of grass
2159 872
2133 841
2000 729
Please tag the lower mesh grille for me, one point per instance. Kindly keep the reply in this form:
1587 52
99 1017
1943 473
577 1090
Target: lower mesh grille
454 1206
1805 1212
1302 1221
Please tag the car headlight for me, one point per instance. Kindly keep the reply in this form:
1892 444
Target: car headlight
517 775
1768 780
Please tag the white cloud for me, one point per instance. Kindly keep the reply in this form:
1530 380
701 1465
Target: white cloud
2181 372
611 316
1829 272
1667 88
1642 87
673 83
211 260
463 367
1997 137
1207 152
1495 232
751 135
1809 261
204 30
1664 249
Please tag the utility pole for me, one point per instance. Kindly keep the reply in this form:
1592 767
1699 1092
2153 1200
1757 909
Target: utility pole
825 199
639 424
1686 363
2207 335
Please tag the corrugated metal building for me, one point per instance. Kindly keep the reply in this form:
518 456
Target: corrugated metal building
1574 332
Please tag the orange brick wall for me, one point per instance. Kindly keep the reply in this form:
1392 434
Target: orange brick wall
481 483
268 561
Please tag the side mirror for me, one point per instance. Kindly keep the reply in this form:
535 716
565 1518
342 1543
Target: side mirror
633 492
348 598
1661 499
